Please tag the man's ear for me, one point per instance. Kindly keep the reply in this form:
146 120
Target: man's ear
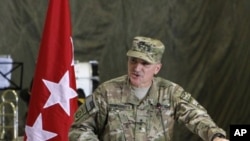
158 68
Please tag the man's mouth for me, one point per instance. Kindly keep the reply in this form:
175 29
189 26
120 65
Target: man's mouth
135 74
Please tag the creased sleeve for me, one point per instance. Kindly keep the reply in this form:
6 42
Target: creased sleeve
195 116
89 119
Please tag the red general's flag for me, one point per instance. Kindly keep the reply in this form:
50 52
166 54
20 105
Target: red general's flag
53 96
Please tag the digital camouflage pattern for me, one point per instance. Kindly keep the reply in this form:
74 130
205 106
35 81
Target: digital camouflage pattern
148 49
114 113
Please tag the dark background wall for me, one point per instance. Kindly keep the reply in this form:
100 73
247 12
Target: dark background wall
207 45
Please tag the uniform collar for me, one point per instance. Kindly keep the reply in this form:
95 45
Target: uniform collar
151 97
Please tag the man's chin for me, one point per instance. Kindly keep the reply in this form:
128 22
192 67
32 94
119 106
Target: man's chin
135 83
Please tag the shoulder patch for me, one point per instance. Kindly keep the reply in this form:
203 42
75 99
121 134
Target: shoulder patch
89 102
80 113
83 112
186 96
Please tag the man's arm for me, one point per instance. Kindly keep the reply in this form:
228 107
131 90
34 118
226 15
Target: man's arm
84 125
196 118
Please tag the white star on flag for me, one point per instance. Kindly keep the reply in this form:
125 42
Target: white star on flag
36 132
60 93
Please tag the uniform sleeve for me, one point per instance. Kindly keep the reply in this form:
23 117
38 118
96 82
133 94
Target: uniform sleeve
88 120
195 116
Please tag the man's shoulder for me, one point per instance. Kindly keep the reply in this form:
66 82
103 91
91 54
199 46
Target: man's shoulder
164 82
120 79
115 82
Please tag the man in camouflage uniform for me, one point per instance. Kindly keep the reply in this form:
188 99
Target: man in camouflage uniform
140 106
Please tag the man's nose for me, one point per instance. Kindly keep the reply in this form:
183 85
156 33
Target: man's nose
138 66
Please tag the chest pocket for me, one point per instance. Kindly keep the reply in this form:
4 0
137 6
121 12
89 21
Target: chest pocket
164 96
120 117
165 113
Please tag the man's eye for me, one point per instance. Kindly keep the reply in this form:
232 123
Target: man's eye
133 60
145 63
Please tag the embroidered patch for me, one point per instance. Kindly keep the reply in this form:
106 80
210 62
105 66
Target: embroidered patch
90 103
80 113
185 96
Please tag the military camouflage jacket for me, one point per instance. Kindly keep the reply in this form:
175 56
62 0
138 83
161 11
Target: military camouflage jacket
114 113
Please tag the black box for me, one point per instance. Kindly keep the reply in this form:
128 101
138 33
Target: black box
240 132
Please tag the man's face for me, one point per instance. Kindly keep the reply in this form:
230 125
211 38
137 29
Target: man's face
140 72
